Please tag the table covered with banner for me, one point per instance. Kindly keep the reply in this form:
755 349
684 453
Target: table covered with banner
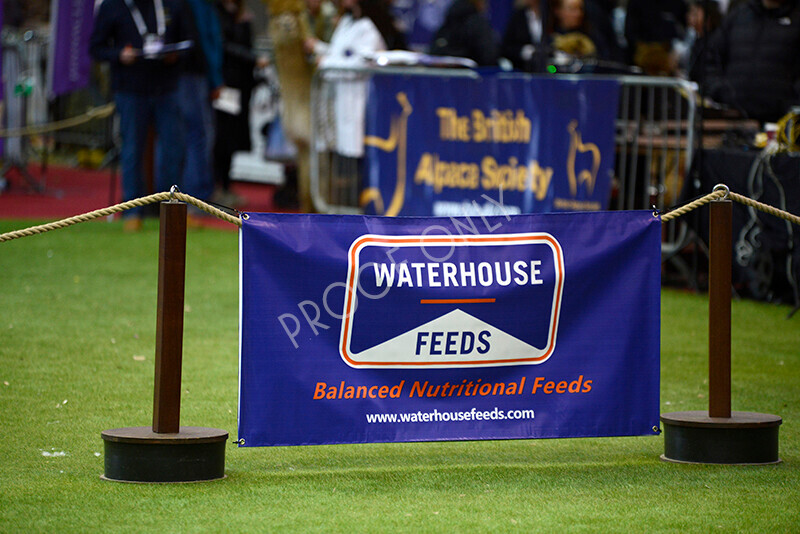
360 329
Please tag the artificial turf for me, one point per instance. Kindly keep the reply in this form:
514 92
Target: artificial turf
76 357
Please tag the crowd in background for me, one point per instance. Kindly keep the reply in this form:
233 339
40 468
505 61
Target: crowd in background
743 54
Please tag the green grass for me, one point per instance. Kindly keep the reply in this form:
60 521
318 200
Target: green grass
76 357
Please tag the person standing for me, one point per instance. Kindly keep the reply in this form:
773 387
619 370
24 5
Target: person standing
135 37
754 62
355 38
524 42
651 26
199 84
233 126
702 20
466 32
574 34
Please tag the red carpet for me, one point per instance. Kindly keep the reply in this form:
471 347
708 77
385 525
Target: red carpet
69 191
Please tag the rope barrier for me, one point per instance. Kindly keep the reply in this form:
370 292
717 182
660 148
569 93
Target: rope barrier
722 192
766 208
719 193
104 212
686 208
99 112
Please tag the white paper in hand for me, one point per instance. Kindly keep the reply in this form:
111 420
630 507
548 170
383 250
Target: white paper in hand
229 101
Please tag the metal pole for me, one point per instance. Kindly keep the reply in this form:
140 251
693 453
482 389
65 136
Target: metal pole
719 309
169 322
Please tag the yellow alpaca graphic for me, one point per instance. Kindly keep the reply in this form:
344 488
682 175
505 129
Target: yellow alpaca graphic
576 146
398 139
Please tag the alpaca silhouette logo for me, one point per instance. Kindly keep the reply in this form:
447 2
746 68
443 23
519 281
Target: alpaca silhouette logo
577 146
397 140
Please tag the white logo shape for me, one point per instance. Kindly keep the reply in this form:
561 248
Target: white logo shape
459 339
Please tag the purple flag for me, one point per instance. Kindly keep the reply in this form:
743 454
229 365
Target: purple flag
69 45
2 8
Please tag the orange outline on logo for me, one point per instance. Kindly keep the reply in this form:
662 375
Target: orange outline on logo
558 254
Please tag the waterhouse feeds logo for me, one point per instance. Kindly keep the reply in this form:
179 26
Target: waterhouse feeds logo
431 301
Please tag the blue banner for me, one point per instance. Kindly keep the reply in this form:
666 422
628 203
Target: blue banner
441 146
362 329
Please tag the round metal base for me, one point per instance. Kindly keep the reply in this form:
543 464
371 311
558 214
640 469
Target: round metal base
137 454
744 438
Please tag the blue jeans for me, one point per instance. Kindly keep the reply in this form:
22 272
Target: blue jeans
136 113
197 121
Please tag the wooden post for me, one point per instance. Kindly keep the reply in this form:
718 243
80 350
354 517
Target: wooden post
719 313
169 322
167 452
720 436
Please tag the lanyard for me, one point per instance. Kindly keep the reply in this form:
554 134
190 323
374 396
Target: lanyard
139 20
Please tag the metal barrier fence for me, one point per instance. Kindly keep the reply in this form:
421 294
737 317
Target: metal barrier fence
655 137
24 100
654 142
28 104
335 186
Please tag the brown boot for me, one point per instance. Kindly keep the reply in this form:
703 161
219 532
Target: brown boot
131 224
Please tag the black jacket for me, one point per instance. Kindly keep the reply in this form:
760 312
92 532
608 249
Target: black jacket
114 28
466 33
755 60
517 35
238 58
654 21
